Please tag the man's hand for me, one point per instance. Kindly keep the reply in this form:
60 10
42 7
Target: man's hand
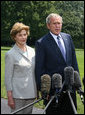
45 95
48 97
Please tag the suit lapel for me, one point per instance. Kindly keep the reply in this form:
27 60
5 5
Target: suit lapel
53 44
55 47
29 57
22 53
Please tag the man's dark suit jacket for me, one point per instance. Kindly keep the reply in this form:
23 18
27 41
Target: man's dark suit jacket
49 59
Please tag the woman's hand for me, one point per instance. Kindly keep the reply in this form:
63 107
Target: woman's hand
10 100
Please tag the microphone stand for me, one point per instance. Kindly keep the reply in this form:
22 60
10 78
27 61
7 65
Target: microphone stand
61 88
72 103
48 104
26 106
56 94
68 90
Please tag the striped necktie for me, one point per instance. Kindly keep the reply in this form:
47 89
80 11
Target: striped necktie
61 47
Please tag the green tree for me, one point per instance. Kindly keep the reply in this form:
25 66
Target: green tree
34 13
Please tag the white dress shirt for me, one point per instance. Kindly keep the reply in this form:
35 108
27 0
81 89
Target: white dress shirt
61 40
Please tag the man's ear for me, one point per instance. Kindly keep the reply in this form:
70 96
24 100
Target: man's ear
48 26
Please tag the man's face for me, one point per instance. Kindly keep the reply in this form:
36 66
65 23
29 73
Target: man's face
55 25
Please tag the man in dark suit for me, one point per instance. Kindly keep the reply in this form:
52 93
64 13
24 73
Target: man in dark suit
54 52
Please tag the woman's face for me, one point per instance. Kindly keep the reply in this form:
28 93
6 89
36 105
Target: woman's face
21 37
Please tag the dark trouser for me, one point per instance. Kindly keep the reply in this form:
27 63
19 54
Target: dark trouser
64 105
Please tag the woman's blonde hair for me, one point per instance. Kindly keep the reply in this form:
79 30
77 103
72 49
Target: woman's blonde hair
17 27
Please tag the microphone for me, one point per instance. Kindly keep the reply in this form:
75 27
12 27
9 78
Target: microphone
56 81
69 77
69 82
78 86
45 85
77 81
56 84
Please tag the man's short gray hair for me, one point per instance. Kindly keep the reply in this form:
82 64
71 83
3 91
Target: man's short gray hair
52 15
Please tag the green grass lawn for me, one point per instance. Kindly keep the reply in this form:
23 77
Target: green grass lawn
80 59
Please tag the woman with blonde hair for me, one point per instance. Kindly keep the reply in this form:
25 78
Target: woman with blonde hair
19 71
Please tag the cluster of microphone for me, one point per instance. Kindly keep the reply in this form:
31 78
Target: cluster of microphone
72 79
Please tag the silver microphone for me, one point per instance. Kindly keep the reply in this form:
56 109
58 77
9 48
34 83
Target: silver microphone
56 84
69 77
77 81
56 81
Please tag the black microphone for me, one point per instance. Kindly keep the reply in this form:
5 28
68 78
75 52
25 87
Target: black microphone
56 84
69 77
77 85
69 82
45 85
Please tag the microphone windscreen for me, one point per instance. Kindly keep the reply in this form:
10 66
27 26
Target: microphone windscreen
45 83
77 81
56 81
69 75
